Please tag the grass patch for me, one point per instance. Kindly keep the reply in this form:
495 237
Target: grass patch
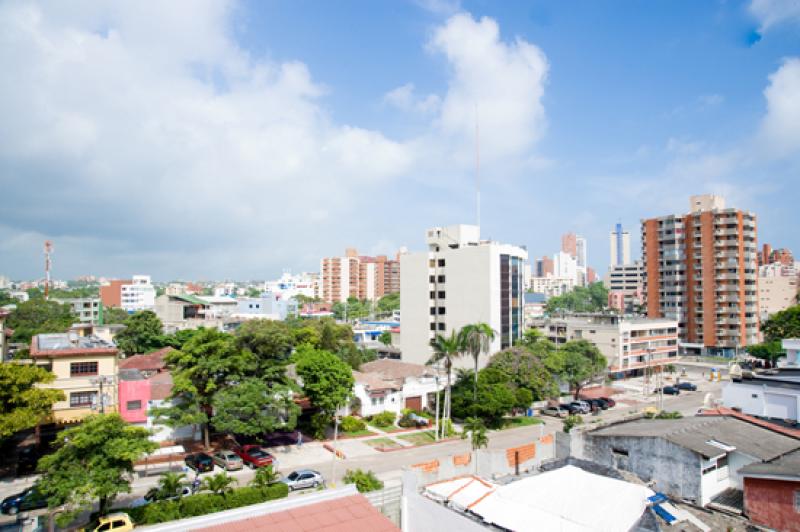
382 443
356 433
419 438
390 428
522 421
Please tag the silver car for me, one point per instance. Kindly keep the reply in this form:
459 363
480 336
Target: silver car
228 460
555 411
303 478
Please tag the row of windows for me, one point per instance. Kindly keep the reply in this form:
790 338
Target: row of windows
79 399
78 369
437 326
440 312
433 262
436 278
433 294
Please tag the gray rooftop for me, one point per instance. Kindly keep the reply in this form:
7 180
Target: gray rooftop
786 466
695 433
58 341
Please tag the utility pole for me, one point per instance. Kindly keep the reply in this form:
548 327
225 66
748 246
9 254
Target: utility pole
100 381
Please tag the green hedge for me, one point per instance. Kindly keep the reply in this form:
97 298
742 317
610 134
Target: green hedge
384 419
204 503
352 424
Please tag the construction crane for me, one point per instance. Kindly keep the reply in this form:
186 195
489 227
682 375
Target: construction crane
48 248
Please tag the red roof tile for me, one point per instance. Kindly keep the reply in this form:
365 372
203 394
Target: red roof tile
351 514
151 361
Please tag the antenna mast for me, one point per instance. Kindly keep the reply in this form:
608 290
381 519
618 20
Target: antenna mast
48 248
477 169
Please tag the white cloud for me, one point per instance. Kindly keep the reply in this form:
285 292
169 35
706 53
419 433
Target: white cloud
505 81
780 128
144 138
405 99
771 13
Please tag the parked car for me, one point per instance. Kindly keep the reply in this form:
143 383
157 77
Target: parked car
597 404
228 460
669 390
420 421
29 499
556 411
611 403
255 456
117 522
582 406
200 462
154 494
303 478
687 386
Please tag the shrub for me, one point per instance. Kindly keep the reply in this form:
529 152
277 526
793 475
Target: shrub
276 491
244 497
572 421
158 512
352 424
364 480
669 415
319 422
384 419
201 504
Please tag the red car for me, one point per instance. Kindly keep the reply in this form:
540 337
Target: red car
255 456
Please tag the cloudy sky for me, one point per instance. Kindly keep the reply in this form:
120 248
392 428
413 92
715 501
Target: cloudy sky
222 139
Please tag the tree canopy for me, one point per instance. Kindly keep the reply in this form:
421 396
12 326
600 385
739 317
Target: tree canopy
92 462
496 396
783 324
327 380
389 303
38 316
252 407
114 315
581 299
770 351
582 362
527 370
22 404
143 333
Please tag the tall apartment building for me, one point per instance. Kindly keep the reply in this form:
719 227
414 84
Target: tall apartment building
358 276
701 270
130 295
460 280
620 247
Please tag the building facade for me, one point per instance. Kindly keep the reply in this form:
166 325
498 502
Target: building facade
358 276
130 295
701 270
629 344
460 280
86 371
620 247
625 284
88 309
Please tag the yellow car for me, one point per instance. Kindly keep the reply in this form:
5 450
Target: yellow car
114 522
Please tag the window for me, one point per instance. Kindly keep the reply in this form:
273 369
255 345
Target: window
440 279
441 310
433 311
441 294
441 326
441 263
432 278
76 369
433 294
80 399
134 405
433 326
619 451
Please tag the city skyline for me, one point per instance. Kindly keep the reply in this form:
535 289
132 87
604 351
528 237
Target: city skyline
249 138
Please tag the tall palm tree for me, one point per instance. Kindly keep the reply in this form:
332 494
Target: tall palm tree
445 349
477 339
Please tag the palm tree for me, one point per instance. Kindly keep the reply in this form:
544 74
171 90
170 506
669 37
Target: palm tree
477 430
444 351
477 339
265 476
219 483
169 484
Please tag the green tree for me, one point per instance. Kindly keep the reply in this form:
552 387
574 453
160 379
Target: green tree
477 431
385 338
354 356
114 315
496 397
527 370
582 363
572 421
327 380
477 339
219 483
770 351
364 480
38 316
271 342
92 462
169 485
783 324
306 335
143 333
445 350
253 292
389 303
253 407
580 299
23 404
209 362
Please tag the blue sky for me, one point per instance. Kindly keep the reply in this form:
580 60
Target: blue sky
211 140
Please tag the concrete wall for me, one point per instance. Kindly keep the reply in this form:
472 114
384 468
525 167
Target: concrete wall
770 503
420 514
762 400
675 470
138 390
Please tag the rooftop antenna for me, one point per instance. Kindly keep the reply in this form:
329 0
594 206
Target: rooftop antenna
48 248
477 170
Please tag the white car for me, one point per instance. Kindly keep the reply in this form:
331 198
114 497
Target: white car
303 478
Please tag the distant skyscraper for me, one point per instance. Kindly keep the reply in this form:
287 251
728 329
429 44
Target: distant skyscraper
580 252
620 247
569 244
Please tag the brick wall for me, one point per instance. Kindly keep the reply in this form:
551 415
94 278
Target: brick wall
771 503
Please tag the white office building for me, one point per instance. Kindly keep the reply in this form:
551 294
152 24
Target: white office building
139 295
460 280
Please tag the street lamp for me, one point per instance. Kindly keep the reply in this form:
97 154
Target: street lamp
100 381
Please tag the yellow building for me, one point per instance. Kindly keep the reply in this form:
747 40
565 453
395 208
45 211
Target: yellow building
85 369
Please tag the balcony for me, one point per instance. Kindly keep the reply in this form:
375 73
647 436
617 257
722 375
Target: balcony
731 254
727 288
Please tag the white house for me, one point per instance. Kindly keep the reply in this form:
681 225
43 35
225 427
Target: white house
394 385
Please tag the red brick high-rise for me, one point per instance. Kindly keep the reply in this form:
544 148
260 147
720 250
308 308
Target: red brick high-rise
701 268
358 276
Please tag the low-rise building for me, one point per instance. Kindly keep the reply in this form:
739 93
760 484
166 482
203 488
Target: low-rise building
269 306
219 306
85 370
88 309
695 458
629 344
393 385
772 493
176 310
535 304
131 295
